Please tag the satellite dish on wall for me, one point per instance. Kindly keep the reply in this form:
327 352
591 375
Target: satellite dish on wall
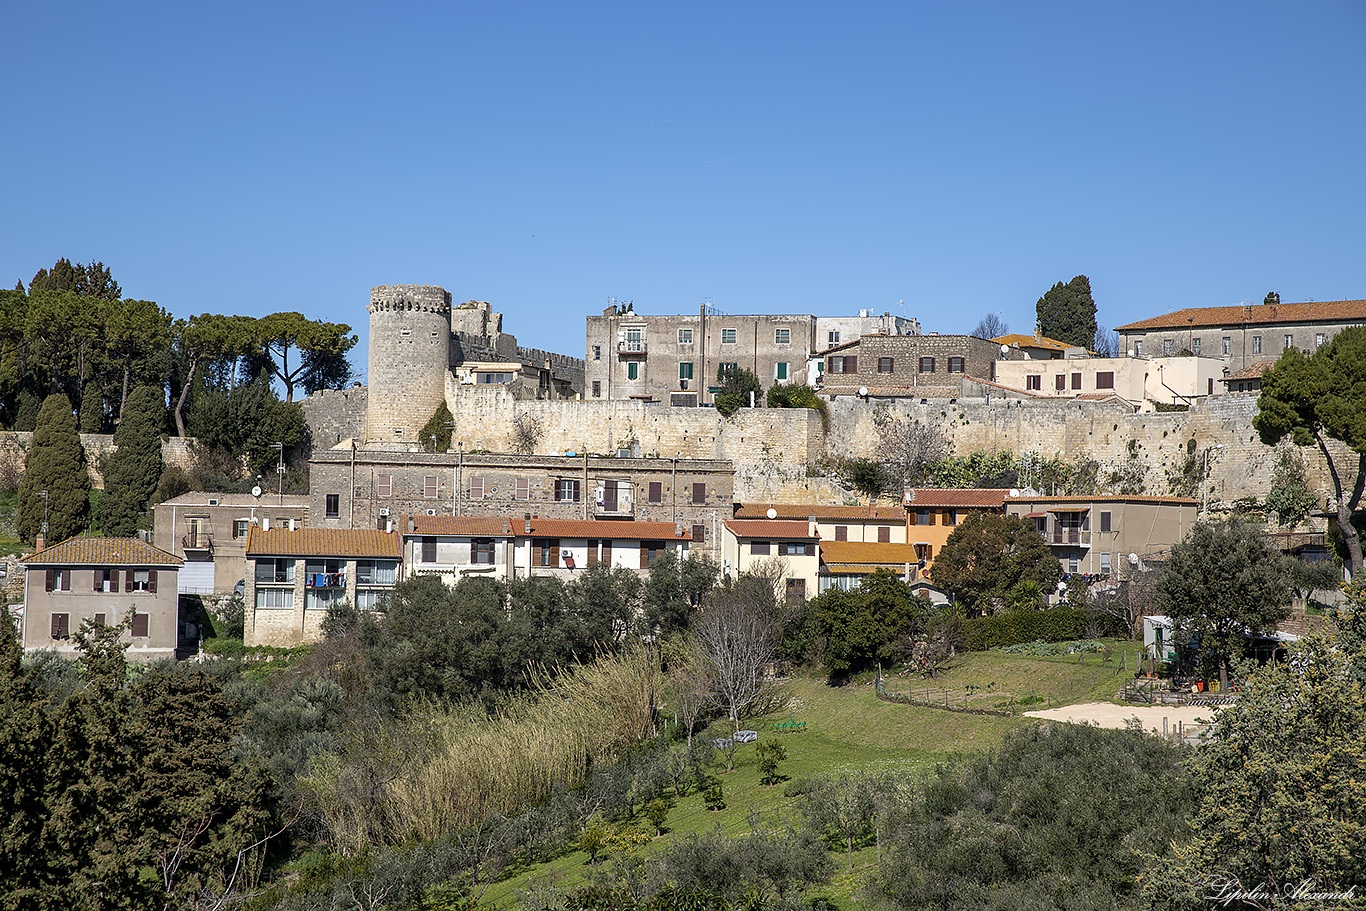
772 513
1005 349
1014 491
1133 559
256 491
863 391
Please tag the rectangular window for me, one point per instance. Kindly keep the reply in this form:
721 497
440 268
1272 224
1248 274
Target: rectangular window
59 580
429 550
1167 347
924 517
759 548
1076 381
106 580
924 552
728 336
1105 522
834 364
370 599
780 370
656 492
841 532
699 494
685 336
141 580
279 570
597 352
481 551
1256 344
567 490
330 570
1138 348
795 591
333 505
649 550
320 599
1105 380
927 365
1318 339
633 370
522 489
1228 345
958 365
61 626
685 370
1105 564
100 620
385 485
1289 341
1072 563
548 552
597 389
782 336
1060 383
376 572
476 487
884 365
429 486
274 599
240 527
699 534
884 534
635 339
950 517
1034 382
1195 346
796 549
833 337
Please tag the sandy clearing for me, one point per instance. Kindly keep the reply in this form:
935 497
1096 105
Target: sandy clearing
1108 715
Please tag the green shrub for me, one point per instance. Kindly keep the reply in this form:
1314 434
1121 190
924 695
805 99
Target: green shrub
1060 624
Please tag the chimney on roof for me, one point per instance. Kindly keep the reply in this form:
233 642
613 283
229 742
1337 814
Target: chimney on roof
678 529
40 543
811 526
526 519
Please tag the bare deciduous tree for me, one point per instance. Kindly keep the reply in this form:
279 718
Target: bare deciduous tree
908 446
691 684
1105 343
527 430
991 326
738 634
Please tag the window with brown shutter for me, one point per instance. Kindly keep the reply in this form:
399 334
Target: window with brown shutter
476 487
759 548
50 582
931 516
927 365
841 532
1105 523
884 365
1076 381
950 517
1105 380
607 551
656 492
884 534
140 626
523 490
429 549
554 553
644 555
699 494
850 364
61 626
592 551
99 619
1060 383
699 534
810 549
129 582
152 581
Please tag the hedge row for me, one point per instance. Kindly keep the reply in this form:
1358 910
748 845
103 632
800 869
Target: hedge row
1060 624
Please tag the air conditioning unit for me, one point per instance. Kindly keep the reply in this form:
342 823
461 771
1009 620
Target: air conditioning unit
682 384
431 512
384 510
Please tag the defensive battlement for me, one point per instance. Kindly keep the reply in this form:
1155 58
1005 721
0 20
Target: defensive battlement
538 357
428 298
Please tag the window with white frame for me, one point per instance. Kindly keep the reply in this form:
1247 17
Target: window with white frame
834 337
522 490
274 598
1167 347
275 571
1289 341
728 336
780 370
385 485
376 572
1256 344
1138 347
782 336
1319 339
633 370
1195 346
685 336
476 487
429 486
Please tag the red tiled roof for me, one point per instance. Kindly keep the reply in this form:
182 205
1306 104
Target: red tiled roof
638 529
866 553
1251 372
323 542
489 526
805 510
102 552
941 497
770 528
1029 341
1264 314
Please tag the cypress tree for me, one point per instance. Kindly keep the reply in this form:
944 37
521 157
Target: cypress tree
55 463
136 465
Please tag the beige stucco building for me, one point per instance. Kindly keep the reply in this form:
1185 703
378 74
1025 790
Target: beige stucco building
745 543
1095 536
103 580
1141 381
209 532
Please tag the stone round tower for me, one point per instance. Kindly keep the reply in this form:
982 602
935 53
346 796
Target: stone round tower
410 331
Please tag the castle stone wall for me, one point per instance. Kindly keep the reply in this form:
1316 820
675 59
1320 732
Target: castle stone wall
410 332
335 415
14 447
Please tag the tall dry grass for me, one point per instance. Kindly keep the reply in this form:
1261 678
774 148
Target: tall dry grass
441 769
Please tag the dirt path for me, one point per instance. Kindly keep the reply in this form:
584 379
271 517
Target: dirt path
1108 715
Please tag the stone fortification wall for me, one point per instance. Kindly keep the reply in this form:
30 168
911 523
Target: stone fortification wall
14 449
335 415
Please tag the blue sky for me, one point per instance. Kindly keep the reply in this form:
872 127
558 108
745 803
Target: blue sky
770 157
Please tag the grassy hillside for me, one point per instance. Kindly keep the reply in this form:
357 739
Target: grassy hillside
849 730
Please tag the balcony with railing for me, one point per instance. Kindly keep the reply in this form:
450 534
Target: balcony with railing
1078 536
197 541
632 348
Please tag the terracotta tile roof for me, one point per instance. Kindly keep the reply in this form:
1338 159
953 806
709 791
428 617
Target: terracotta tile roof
1102 500
853 552
942 497
102 552
770 528
484 526
1251 372
806 510
1255 314
603 528
1029 341
323 542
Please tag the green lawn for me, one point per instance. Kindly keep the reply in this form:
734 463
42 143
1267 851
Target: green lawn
850 730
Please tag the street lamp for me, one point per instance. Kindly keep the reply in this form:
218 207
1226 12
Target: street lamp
1204 485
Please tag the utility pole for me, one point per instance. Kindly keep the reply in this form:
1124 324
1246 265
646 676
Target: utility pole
280 470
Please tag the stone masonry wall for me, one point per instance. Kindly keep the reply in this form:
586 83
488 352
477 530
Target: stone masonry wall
14 449
334 415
